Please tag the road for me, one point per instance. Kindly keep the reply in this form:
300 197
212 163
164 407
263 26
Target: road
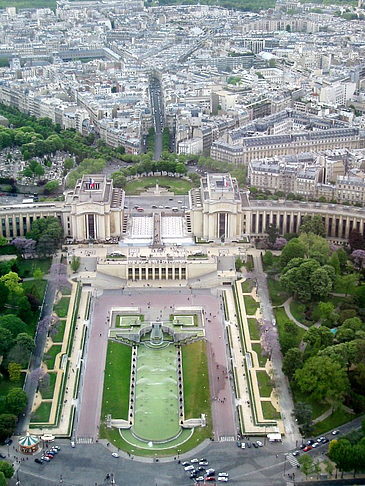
157 111
35 362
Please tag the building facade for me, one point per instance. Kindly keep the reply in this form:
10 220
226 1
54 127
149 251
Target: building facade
218 211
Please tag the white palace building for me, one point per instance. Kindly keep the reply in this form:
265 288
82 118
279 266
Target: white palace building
217 211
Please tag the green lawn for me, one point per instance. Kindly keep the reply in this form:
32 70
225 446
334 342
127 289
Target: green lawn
42 413
254 328
58 338
247 286
127 321
50 356
196 382
35 288
173 184
250 304
317 407
116 381
298 309
27 267
61 308
277 295
339 417
47 392
66 290
269 412
264 382
281 316
258 350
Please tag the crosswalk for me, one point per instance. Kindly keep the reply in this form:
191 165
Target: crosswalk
293 460
84 440
227 438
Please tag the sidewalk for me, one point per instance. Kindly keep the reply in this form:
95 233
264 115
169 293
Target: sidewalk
73 370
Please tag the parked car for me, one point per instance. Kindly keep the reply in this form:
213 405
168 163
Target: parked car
185 463
210 479
45 459
307 448
296 453
115 454
320 439
199 479
223 475
223 479
243 445
38 461
203 463
310 442
335 432
255 445
238 444
189 468
325 440
2 456
248 444
259 443
194 461
210 472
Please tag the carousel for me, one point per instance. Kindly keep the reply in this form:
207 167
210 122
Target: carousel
29 444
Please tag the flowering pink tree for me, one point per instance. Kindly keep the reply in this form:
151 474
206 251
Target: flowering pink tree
359 257
36 375
43 324
333 247
269 339
280 243
26 247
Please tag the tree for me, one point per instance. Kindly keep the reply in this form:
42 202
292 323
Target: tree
356 240
119 180
349 282
2 479
16 400
3 241
26 247
7 469
272 233
268 258
46 245
306 464
13 324
329 467
11 281
6 340
4 292
38 275
359 258
340 453
49 226
292 361
293 249
328 314
75 263
68 164
51 187
342 256
280 243
24 309
335 263
323 379
238 264
25 341
303 413
315 247
313 225
7 425
14 370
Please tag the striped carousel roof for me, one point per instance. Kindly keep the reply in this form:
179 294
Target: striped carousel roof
28 440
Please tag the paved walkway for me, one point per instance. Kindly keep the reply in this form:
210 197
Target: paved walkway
292 435
74 362
162 304
286 306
